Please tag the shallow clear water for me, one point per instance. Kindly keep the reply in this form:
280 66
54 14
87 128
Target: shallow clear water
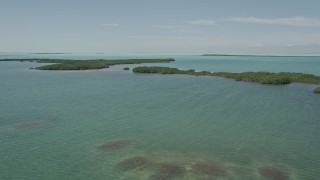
52 123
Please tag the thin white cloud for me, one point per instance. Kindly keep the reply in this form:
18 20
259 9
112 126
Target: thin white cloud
109 24
142 37
175 28
188 30
286 40
255 45
291 21
165 26
303 44
203 22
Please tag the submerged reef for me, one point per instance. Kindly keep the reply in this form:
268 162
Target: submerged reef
158 168
259 77
115 145
29 125
209 168
168 170
273 173
137 162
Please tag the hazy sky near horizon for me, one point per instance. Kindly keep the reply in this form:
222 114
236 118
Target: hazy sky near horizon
187 26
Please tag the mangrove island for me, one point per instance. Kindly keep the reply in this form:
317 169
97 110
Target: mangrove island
71 64
259 77
317 90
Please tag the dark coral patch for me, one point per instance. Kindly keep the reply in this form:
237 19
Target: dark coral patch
29 125
168 171
209 168
273 173
133 163
115 145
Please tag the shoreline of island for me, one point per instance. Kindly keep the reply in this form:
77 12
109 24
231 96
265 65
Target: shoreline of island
76 65
96 64
261 77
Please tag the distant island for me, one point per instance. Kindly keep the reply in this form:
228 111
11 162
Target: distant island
248 55
50 53
68 64
259 77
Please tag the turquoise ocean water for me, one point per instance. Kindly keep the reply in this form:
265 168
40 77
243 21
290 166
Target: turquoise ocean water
53 123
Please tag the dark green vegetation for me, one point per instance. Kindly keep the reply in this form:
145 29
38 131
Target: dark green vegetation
25 60
68 64
93 64
316 90
259 77
126 68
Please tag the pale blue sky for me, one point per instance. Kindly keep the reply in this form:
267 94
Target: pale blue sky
187 26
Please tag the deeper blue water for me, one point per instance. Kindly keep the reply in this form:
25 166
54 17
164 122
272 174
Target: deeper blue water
53 123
